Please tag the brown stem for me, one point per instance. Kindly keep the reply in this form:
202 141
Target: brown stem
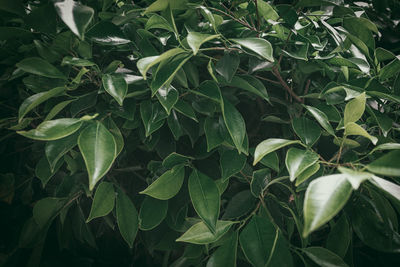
260 77
235 19
307 87
284 84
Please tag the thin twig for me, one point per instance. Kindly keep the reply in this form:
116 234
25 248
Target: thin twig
284 84
258 16
260 77
232 17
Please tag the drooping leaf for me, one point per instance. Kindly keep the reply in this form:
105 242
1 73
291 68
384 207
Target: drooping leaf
297 161
352 128
38 66
103 202
321 118
75 15
116 86
99 150
196 39
325 197
205 198
200 234
167 185
270 145
260 46
127 218
234 123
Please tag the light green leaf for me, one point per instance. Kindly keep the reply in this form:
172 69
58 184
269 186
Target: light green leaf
167 185
76 16
127 218
205 198
167 70
298 160
53 129
307 173
354 109
324 257
116 86
226 254
387 165
54 150
200 234
144 64
325 197
103 202
234 123
260 46
99 150
355 177
321 118
152 213
352 128
386 146
390 188
196 39
38 66
168 96
35 100
308 131
231 163
270 145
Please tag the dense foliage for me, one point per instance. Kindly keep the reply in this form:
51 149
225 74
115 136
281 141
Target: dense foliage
199 133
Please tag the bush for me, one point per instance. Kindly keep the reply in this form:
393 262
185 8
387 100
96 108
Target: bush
193 133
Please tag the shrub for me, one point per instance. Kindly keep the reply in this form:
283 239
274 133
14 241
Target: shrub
192 133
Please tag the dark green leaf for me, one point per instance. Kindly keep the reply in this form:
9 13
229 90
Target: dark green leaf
227 66
127 218
231 163
38 66
324 257
234 123
152 213
116 86
308 131
107 33
103 202
200 234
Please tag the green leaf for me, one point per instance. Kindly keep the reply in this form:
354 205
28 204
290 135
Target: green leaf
76 16
308 131
57 108
260 46
144 64
127 218
226 66
324 257
307 173
46 209
339 237
213 135
38 66
270 145
54 150
196 39
260 181
152 116
234 123
167 185
152 213
13 6
321 118
355 177
79 62
354 109
99 150
205 198
167 70
239 205
361 28
389 70
53 130
257 240
267 11
107 33
226 254
200 234
115 131
250 84
44 172
300 53
387 165
391 97
209 89
35 100
158 22
325 197
186 109
298 160
116 86
352 128
103 202
174 159
168 96
231 163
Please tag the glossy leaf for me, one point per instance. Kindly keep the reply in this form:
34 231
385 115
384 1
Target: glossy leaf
200 234
231 163
307 173
196 39
205 198
324 257
234 123
352 128
226 66
103 202
387 165
153 116
259 46
226 254
174 159
354 109
321 118
56 149
127 218
325 197
53 129
99 150
259 181
297 161
75 15
210 90
44 172
250 84
167 185
38 66
152 213
35 100
107 33
270 145
116 86
308 131
168 96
